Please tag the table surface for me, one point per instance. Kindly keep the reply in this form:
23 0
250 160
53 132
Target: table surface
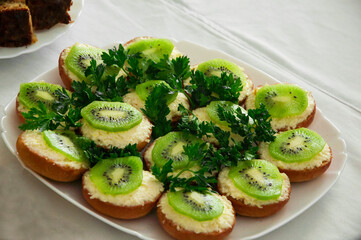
314 44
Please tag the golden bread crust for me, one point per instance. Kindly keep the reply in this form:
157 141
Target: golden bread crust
18 113
307 174
62 71
45 166
253 211
120 212
171 228
146 160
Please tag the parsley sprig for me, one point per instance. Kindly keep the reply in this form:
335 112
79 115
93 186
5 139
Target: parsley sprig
156 109
94 154
204 89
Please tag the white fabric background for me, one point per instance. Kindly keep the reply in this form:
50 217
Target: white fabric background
313 43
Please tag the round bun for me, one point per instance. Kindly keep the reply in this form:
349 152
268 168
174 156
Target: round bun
18 112
116 211
45 165
146 156
181 234
305 119
307 174
63 71
249 206
253 211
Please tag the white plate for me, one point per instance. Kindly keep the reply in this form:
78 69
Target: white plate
303 194
45 37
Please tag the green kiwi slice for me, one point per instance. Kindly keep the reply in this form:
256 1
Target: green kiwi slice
111 116
257 178
32 93
282 100
143 90
215 67
117 176
152 48
212 108
199 206
170 147
297 145
63 142
79 57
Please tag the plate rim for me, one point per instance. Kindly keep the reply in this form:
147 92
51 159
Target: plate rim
18 51
93 213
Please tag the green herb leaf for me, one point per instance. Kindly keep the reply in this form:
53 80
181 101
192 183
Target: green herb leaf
205 89
156 109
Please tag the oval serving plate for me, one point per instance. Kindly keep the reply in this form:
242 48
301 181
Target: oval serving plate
304 195
45 37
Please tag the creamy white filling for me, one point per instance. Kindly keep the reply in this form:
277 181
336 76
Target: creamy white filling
221 223
286 122
247 89
148 157
227 186
133 99
148 191
316 161
202 115
22 108
34 140
137 134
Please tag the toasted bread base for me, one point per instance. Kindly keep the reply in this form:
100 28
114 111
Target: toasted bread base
307 174
146 160
62 70
18 113
45 166
120 212
171 228
253 211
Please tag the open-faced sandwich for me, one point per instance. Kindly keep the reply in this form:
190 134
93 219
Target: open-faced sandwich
290 106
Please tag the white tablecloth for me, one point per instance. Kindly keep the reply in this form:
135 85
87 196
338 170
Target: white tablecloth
315 44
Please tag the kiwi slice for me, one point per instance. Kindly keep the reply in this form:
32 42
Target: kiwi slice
199 206
170 147
79 57
152 48
34 92
215 67
297 145
213 107
282 100
111 116
117 176
143 90
63 142
257 178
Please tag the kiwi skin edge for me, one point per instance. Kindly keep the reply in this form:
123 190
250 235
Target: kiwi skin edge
172 229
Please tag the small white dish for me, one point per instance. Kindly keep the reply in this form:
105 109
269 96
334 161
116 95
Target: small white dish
45 37
303 196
